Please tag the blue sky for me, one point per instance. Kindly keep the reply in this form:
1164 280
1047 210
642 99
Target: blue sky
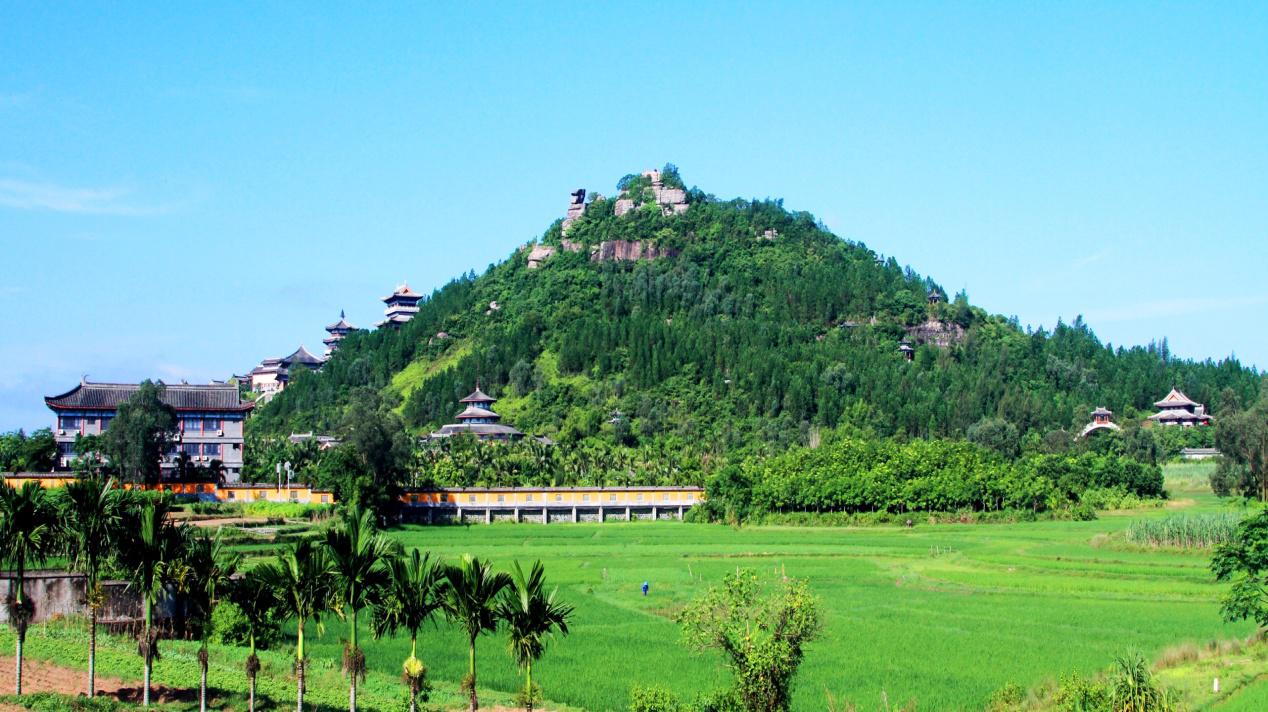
185 189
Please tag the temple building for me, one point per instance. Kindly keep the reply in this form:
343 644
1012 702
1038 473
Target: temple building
210 420
1102 419
272 375
1178 409
478 419
402 305
337 331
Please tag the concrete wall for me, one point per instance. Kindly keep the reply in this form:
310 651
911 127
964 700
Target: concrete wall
58 594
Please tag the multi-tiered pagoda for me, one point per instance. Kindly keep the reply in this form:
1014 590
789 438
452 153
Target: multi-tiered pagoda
1179 409
402 305
337 331
479 419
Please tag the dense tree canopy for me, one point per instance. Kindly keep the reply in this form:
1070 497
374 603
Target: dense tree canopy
741 343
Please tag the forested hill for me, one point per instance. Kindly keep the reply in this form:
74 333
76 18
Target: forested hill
756 328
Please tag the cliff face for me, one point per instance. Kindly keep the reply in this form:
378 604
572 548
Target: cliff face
938 333
629 251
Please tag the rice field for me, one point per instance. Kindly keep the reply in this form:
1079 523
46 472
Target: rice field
943 615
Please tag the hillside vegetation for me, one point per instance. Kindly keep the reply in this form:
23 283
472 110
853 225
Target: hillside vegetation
759 329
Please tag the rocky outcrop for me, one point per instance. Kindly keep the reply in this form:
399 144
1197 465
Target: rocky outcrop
629 251
576 208
938 333
538 255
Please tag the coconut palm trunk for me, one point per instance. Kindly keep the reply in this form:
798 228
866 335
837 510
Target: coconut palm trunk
356 667
471 678
202 677
92 650
299 668
147 644
19 619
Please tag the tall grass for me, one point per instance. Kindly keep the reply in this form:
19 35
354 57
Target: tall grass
1186 531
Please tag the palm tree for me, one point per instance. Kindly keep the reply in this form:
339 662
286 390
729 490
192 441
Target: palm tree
301 578
91 512
470 599
530 615
259 603
410 598
210 566
29 534
358 558
154 557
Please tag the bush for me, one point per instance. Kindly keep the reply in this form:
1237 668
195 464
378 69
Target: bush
229 627
1008 697
653 699
1076 694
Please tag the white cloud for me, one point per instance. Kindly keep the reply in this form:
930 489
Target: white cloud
28 195
1169 308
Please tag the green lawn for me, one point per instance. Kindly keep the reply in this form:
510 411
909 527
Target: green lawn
940 614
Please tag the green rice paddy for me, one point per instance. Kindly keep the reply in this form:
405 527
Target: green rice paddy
943 615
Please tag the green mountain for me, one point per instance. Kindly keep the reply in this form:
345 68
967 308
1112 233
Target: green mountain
679 330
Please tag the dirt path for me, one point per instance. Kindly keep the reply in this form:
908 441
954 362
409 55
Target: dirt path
41 676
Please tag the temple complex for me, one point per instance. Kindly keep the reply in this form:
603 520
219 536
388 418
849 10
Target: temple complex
1179 409
210 421
478 419
402 305
1101 420
337 331
272 375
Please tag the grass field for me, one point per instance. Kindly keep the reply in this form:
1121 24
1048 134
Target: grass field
943 615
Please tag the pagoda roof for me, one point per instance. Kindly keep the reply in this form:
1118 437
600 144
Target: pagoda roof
478 396
403 291
341 325
474 411
108 396
479 430
1102 411
1175 399
1178 415
303 357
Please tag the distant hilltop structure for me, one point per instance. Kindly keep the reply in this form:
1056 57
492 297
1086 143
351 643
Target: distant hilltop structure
337 331
672 201
479 419
1102 419
271 376
1178 409
402 305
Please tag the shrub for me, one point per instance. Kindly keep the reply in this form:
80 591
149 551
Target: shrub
1077 694
229 627
653 699
1008 697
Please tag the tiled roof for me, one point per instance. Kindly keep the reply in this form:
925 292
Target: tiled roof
478 396
403 292
108 396
477 412
477 429
303 357
1175 399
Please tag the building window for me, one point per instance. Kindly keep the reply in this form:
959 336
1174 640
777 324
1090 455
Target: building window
325 499
198 488
559 498
664 497
471 498
105 422
190 449
528 497
639 497
611 498
585 498
211 449
691 497
294 495
259 495
192 425
66 450
68 422
501 498
232 495
211 424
